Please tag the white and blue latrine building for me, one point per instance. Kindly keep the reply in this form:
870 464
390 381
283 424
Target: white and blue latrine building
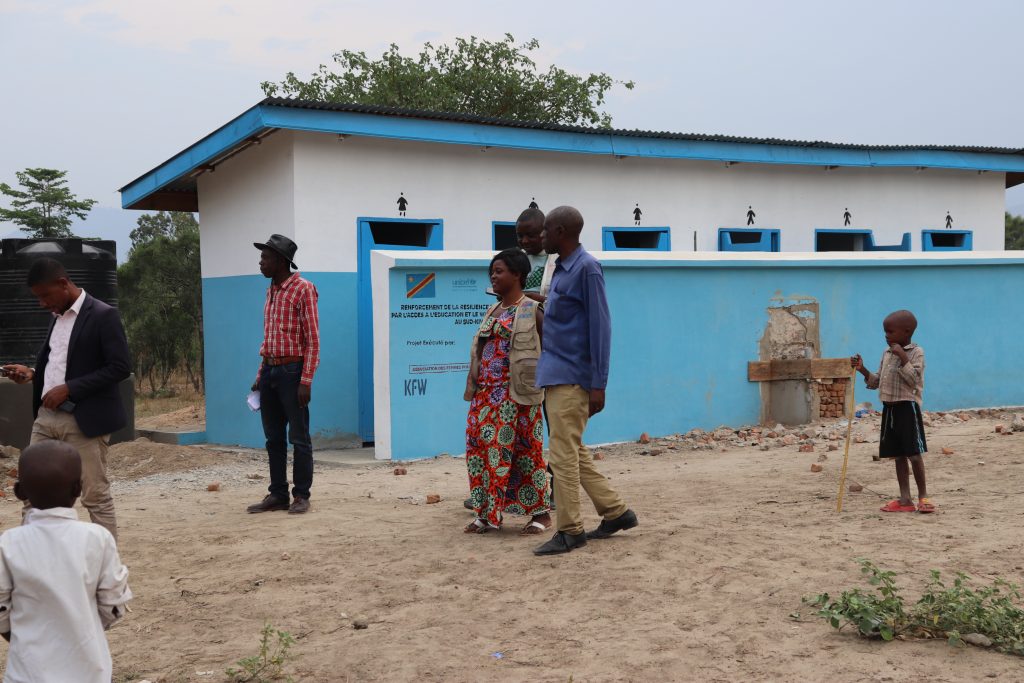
705 239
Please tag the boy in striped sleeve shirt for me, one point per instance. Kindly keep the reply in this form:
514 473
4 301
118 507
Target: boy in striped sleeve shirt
290 355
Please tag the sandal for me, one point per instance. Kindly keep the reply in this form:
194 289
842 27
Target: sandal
478 526
533 529
925 505
896 506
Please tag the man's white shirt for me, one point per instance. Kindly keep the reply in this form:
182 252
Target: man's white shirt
60 339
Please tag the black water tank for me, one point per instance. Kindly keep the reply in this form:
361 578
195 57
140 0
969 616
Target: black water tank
92 265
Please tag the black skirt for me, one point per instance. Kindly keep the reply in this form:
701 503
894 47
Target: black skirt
902 430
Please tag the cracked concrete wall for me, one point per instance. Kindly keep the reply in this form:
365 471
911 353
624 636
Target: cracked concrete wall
791 333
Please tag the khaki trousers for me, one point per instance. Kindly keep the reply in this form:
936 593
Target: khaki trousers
571 463
58 425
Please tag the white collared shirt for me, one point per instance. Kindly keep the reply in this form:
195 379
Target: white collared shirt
61 584
60 339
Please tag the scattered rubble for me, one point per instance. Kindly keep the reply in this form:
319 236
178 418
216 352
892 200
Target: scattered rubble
400 471
215 486
433 498
815 467
829 435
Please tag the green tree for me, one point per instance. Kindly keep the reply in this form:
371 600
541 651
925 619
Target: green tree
161 299
475 76
1014 238
45 205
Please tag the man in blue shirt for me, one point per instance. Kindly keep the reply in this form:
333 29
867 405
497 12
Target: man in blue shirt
573 369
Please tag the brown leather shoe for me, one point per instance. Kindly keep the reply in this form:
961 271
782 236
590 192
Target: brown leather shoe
270 503
300 506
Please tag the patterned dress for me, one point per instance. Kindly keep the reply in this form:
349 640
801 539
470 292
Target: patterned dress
504 440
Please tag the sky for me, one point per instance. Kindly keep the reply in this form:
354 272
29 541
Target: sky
108 89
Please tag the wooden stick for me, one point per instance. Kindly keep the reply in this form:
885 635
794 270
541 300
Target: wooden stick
846 451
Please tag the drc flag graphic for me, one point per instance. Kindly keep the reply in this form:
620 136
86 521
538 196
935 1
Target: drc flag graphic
419 286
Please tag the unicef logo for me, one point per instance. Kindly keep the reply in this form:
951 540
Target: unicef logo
465 283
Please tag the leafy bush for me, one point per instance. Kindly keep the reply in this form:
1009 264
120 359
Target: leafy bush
952 612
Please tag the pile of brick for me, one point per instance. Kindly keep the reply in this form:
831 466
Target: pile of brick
832 397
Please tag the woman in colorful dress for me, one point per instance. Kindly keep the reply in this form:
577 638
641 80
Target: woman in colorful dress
505 429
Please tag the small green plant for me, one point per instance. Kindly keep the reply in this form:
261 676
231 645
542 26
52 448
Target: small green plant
960 609
268 664
950 612
875 616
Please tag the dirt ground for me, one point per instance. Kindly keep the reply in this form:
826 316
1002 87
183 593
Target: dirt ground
703 590
187 418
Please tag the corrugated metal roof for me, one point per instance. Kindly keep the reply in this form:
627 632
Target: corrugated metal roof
620 132
172 185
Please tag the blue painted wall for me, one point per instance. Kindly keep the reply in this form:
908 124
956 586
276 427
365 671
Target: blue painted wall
233 320
684 332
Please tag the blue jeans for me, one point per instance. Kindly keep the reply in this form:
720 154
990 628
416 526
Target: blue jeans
280 411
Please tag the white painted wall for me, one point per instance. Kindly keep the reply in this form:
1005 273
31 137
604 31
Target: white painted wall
314 187
248 198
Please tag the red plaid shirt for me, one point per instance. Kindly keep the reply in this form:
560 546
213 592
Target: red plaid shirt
291 325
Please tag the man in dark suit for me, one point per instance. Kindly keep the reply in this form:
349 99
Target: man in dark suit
75 396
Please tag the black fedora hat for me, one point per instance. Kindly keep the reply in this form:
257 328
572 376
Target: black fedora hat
282 245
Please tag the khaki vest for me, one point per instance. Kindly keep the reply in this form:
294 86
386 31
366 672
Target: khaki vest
524 351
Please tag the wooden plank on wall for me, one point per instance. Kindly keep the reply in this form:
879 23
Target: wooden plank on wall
759 371
798 368
826 368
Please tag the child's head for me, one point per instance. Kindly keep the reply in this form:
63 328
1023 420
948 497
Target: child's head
508 270
899 327
49 475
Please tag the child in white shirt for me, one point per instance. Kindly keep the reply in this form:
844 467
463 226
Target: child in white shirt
61 580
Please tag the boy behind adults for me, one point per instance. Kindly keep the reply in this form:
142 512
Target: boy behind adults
75 394
573 369
62 583
529 234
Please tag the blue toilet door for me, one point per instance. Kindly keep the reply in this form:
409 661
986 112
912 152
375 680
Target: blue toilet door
388 234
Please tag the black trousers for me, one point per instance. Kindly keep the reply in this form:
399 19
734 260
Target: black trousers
284 421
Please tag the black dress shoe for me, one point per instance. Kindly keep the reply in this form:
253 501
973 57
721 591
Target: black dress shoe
560 543
268 504
300 506
608 527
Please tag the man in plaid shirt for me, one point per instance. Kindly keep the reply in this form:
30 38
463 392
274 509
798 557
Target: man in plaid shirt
290 355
